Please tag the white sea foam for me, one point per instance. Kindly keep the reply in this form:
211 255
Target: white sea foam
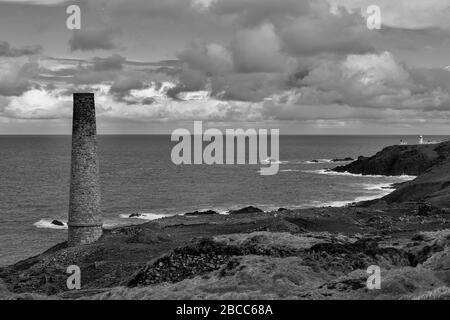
405 177
219 210
47 224
290 170
376 190
335 173
324 161
145 216
378 187
318 161
339 204
334 204
273 161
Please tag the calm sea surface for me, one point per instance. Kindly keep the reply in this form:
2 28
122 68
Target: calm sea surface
138 177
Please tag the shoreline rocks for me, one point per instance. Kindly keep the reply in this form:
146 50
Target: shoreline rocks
399 160
246 210
429 162
58 223
201 213
347 159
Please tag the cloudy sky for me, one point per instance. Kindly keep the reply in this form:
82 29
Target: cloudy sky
304 66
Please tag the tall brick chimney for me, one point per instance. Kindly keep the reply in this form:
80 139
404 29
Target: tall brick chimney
85 222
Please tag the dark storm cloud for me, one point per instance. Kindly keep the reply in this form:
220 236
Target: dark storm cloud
7 51
235 73
93 39
16 78
251 13
168 9
189 80
345 33
123 85
114 62
432 78
246 60
252 87
276 41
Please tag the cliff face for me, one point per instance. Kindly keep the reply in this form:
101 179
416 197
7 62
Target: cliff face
398 160
433 187
431 163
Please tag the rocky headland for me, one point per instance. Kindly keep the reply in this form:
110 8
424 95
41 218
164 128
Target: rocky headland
316 253
429 162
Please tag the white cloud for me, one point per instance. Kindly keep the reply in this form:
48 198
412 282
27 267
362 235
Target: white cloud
39 104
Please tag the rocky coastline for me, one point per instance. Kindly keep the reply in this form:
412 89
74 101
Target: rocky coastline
316 253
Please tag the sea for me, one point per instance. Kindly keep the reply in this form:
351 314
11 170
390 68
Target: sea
138 176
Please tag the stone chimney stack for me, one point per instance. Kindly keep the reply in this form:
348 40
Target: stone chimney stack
85 222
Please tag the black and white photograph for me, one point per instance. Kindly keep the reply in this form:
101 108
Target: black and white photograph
224 155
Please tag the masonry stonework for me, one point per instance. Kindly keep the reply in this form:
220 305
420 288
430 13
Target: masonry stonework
85 222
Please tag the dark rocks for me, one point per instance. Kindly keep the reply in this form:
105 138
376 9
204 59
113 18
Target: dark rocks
399 160
282 209
135 215
346 284
347 159
432 187
58 223
426 209
430 162
201 213
245 210
202 256
177 267
351 256
205 255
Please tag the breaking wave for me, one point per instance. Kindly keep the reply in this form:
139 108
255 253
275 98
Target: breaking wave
144 216
335 173
323 161
47 224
